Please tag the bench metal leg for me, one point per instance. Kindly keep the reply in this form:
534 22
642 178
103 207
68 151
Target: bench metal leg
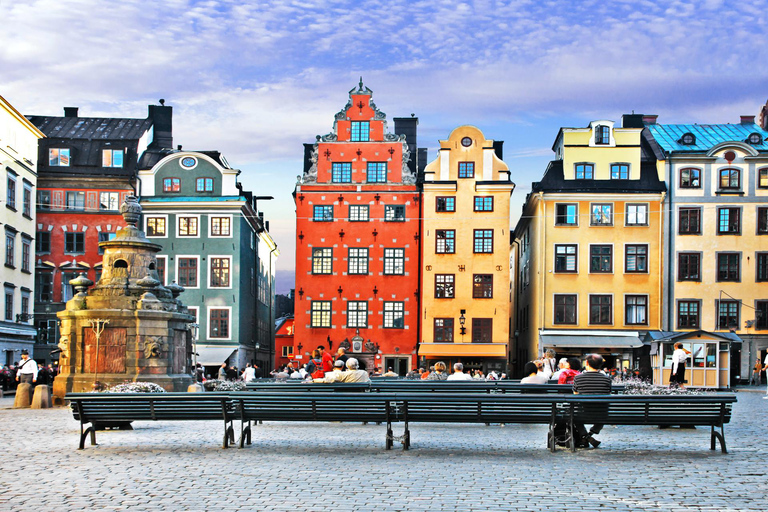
720 436
406 437
229 435
245 433
84 434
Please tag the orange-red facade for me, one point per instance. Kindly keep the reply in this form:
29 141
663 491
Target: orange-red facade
357 247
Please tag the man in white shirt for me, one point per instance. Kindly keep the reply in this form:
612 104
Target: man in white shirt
250 373
26 373
458 373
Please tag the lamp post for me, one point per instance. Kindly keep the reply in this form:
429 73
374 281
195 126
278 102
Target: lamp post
462 321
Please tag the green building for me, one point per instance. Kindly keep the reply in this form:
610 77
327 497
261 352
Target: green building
216 245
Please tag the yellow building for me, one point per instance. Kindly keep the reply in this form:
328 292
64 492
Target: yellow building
465 253
589 248
717 245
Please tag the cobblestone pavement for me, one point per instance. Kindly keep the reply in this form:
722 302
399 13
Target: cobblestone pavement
335 466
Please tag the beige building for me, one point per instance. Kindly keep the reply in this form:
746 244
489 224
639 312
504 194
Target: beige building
465 253
18 160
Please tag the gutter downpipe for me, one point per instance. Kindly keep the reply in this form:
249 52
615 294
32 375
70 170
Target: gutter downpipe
669 295
419 286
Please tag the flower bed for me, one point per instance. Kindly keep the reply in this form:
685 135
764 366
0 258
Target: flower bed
641 387
135 387
224 385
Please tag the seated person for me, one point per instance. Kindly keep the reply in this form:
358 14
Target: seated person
591 382
571 370
335 375
354 373
532 376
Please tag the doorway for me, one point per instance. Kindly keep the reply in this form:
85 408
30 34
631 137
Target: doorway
399 365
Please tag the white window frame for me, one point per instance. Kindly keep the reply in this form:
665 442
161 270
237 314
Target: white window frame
148 216
111 153
178 225
208 323
200 330
177 259
647 214
231 226
231 273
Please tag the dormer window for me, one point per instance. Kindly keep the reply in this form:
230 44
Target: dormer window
755 138
58 157
171 184
688 139
204 185
111 158
584 171
602 134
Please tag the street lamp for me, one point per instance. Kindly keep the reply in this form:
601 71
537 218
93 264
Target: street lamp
462 321
193 328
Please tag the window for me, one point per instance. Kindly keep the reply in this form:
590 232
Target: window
466 169
161 264
186 274
360 131
482 330
204 185
188 226
602 134
482 286
109 201
322 214
394 315
636 258
730 179
602 215
75 200
58 157
762 221
600 307
111 158
394 213
220 272
9 304
445 286
445 242
321 313
728 314
762 178
728 266
688 314
155 226
357 314
74 243
636 310
688 139
44 199
67 290
483 203
761 314
105 237
26 250
566 258
566 215
221 226
11 196
690 178
322 260
445 204
171 184
601 258
25 306
357 260
10 249
43 242
728 221
443 330
394 261
219 323
288 351
689 266
762 267
483 241
376 172
584 171
619 171
565 309
689 221
358 213
637 215
44 286
341 172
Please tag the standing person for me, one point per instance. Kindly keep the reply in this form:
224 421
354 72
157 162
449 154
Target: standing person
550 363
679 356
756 373
327 359
458 373
341 355
315 365
223 371
249 374
199 374
765 369
26 372
591 382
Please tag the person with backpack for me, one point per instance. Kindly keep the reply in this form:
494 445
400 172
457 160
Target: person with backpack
315 365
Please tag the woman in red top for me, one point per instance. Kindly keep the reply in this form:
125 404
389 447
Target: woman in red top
572 367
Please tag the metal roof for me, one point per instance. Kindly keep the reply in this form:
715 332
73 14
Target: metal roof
707 135
108 128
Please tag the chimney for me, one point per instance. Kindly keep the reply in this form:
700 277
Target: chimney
408 126
747 119
162 124
633 120
308 149
650 119
70 111
498 148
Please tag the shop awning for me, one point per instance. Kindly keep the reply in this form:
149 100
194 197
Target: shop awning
214 356
589 341
463 349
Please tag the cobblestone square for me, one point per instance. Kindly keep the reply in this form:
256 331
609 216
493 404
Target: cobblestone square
336 466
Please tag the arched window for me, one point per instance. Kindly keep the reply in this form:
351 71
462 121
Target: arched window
730 178
690 178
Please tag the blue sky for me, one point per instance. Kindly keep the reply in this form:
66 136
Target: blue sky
257 79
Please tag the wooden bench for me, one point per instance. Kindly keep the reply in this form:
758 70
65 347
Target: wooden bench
109 408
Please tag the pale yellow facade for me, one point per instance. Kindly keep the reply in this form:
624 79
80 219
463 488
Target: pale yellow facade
465 248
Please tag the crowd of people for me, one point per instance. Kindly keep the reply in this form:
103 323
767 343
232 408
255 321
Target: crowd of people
26 370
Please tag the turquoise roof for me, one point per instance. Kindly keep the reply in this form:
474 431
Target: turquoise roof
707 135
175 199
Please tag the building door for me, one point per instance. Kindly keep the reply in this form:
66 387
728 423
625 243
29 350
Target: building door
399 365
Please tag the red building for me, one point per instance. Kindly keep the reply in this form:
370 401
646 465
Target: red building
283 341
357 247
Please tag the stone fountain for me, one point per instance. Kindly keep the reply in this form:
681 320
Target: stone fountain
128 327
